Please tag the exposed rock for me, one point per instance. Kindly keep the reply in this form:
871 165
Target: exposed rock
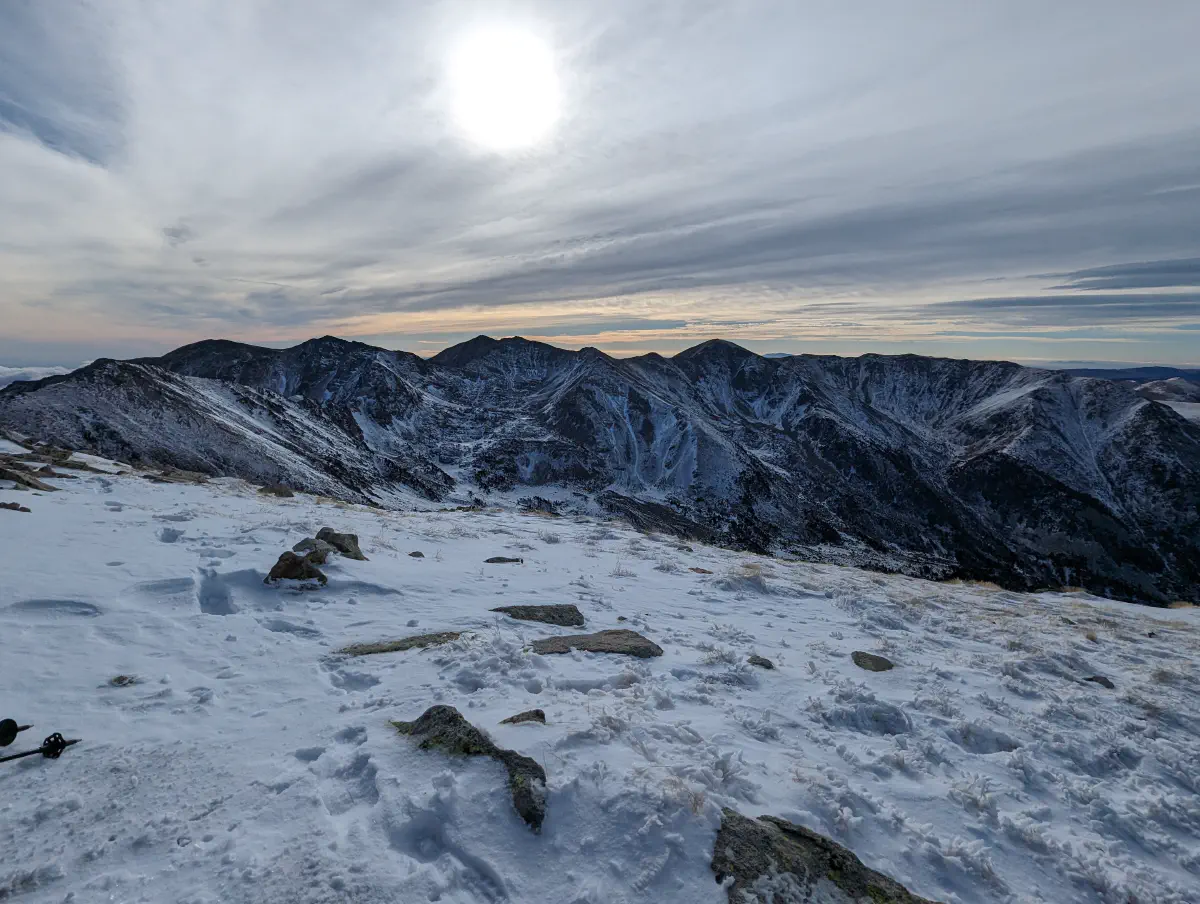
346 544
24 479
276 489
13 507
700 570
295 568
48 471
177 475
444 728
618 640
871 662
530 715
123 680
1102 681
567 615
417 641
417 554
773 861
503 560
622 618
761 661
316 551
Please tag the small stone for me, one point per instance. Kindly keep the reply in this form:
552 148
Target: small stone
503 560
123 680
13 507
567 615
530 715
276 489
871 662
295 568
444 728
346 544
761 661
699 570
1152 634
417 554
622 618
619 640
1102 681
418 641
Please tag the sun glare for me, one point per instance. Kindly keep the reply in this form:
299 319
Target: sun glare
505 88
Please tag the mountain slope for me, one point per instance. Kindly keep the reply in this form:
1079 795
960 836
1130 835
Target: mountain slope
934 467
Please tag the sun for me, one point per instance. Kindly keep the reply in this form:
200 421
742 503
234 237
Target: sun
505 88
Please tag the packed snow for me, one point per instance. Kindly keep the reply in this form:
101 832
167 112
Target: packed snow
247 760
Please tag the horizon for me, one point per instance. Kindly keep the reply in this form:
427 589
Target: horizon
981 183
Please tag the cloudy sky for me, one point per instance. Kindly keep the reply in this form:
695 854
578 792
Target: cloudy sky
1016 179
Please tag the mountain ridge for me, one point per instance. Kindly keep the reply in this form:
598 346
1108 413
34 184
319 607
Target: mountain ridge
938 467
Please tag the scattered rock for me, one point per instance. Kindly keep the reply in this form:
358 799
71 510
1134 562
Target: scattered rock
567 615
1102 681
276 489
771 861
699 570
417 554
13 507
444 728
503 560
346 544
295 568
761 661
618 640
871 662
24 479
316 551
530 715
418 641
123 680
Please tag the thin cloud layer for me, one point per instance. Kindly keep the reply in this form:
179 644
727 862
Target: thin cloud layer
791 175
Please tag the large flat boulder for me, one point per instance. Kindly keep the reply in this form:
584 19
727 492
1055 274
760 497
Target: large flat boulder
444 728
630 643
292 567
567 615
773 861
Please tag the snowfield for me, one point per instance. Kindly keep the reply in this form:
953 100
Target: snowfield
250 761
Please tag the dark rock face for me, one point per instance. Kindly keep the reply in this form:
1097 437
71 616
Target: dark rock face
444 728
567 615
418 641
761 661
871 662
346 544
530 715
295 568
772 861
629 643
904 463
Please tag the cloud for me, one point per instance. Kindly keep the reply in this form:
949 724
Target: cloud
13 374
782 169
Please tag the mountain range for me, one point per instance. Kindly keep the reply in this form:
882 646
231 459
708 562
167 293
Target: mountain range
934 467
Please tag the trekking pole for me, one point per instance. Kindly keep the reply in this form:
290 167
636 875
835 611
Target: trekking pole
8 731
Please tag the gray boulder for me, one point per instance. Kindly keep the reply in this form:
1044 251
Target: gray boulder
761 661
871 662
295 568
530 715
417 554
316 551
773 861
416 642
503 560
567 615
444 728
630 643
346 544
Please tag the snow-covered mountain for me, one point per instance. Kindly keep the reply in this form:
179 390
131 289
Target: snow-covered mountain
928 466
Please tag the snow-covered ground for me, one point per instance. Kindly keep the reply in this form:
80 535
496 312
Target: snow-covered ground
251 762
